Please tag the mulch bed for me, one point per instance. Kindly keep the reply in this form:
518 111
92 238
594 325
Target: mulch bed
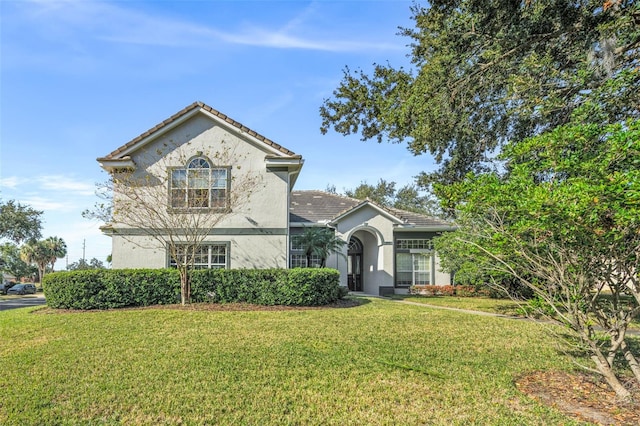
582 396
228 307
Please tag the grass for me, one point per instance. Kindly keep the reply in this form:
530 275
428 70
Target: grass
483 304
378 363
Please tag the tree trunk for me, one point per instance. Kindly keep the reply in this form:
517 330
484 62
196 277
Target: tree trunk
607 372
631 360
185 287
41 271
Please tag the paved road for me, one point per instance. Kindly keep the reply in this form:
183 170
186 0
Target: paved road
22 302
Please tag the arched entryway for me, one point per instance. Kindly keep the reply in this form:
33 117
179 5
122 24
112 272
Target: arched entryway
354 264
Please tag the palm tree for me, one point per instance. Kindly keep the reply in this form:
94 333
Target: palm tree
36 253
57 248
320 242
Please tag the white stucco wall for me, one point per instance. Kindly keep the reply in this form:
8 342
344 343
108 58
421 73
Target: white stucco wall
245 251
262 205
375 230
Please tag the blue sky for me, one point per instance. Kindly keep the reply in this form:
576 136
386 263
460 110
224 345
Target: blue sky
79 78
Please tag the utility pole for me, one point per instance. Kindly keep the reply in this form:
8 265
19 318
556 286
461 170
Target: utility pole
84 246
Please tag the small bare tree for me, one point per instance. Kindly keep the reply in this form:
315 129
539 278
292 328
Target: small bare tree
175 196
594 294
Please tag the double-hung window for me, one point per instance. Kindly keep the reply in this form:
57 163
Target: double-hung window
199 186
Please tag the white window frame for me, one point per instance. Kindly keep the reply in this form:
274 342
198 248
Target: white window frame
199 175
419 249
212 258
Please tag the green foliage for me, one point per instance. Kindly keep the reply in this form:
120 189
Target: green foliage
321 242
19 222
106 289
409 197
487 72
11 263
82 264
43 253
563 221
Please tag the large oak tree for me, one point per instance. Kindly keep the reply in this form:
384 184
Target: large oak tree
484 72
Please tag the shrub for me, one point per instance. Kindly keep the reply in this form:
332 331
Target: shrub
471 291
432 290
105 289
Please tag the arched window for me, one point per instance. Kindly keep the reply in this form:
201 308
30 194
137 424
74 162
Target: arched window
199 186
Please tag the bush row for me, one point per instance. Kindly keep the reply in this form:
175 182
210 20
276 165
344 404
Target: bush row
118 288
449 290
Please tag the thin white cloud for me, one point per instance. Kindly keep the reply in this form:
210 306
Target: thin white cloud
35 185
46 204
110 22
10 182
66 184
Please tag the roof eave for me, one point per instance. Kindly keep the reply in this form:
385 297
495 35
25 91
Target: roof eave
110 165
293 164
425 228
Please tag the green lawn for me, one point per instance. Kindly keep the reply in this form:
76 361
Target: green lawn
382 363
484 304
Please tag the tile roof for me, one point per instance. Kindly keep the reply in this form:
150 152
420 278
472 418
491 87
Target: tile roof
118 153
319 206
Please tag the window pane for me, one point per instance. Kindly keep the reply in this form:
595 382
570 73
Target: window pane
421 261
199 163
413 269
298 261
178 198
198 198
404 262
218 197
199 178
179 178
406 244
404 278
219 178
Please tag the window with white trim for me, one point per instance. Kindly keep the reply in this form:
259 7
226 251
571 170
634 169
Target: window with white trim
206 256
414 262
298 258
199 186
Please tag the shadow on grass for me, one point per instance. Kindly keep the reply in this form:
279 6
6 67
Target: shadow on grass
347 302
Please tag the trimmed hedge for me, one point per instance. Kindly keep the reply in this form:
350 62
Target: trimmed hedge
119 288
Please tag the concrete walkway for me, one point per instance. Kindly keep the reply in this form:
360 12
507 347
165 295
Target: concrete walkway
630 332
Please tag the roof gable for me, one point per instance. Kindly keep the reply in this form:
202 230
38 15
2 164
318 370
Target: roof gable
367 204
121 156
323 207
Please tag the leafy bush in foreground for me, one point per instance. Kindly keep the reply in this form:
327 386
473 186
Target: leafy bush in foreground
105 289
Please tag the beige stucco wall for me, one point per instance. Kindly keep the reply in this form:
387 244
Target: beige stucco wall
376 232
245 251
262 205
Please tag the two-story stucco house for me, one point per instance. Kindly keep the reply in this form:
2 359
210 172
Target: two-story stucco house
386 251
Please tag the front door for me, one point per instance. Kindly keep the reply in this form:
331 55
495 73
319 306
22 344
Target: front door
354 265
